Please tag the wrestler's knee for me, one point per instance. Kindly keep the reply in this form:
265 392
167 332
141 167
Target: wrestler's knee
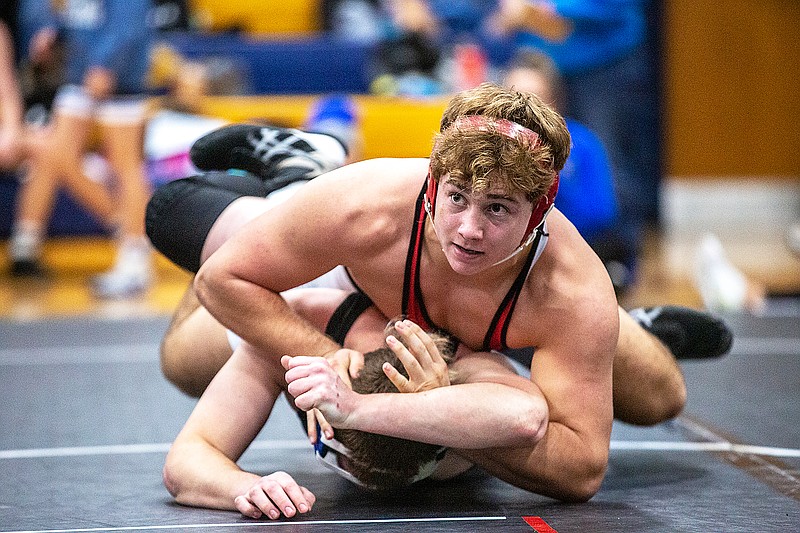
664 400
173 366
673 398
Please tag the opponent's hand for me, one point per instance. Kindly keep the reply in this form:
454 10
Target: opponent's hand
347 363
314 420
423 361
275 495
315 385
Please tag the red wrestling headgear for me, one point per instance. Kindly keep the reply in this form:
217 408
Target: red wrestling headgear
511 130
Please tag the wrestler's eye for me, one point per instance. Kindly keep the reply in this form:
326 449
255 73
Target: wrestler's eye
457 198
497 209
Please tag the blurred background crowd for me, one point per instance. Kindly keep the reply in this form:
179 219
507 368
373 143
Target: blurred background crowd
100 101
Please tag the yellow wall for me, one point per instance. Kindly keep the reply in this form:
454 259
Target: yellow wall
732 88
265 18
391 127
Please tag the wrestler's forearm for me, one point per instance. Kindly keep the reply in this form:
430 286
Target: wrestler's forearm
473 415
258 315
562 465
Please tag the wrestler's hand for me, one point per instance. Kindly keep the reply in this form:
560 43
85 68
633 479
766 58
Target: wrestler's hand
421 358
314 420
315 385
347 363
275 495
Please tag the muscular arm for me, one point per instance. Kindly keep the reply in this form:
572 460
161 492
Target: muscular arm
502 408
574 374
333 220
201 469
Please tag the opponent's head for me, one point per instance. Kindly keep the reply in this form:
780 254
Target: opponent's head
492 136
379 462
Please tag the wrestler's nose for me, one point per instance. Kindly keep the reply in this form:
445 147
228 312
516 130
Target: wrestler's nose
471 225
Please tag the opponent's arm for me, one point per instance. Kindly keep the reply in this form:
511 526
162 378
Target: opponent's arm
201 469
506 410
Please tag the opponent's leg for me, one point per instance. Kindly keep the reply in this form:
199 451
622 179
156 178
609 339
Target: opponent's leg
648 383
182 214
194 347
265 150
689 334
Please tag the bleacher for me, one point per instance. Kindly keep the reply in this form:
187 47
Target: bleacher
288 63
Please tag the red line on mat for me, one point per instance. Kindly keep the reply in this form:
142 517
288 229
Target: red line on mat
538 525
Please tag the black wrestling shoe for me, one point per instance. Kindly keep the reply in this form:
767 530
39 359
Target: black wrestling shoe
261 150
689 334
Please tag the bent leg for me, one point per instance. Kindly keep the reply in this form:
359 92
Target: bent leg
194 347
648 383
181 213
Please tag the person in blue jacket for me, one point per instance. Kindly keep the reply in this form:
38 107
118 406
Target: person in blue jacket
107 45
607 52
587 194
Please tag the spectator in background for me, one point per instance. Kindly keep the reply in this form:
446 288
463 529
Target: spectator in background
586 189
29 66
423 47
107 53
18 46
10 98
607 52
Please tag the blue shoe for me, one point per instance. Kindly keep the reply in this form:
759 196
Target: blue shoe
336 116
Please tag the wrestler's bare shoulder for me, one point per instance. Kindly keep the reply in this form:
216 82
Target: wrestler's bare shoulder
374 199
378 174
567 285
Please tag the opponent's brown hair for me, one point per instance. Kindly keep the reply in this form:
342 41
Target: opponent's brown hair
380 462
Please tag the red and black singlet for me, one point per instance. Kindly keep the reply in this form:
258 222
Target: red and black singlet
414 307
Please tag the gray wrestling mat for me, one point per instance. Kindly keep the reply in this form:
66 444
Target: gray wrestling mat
86 419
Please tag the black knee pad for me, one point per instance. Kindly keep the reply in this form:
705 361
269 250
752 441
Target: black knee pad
180 214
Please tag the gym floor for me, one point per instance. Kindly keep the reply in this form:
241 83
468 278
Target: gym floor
86 420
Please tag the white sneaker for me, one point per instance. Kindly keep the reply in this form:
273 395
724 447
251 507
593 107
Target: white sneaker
132 273
722 286
793 238
121 283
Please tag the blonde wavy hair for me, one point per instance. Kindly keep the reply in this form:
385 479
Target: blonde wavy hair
479 159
